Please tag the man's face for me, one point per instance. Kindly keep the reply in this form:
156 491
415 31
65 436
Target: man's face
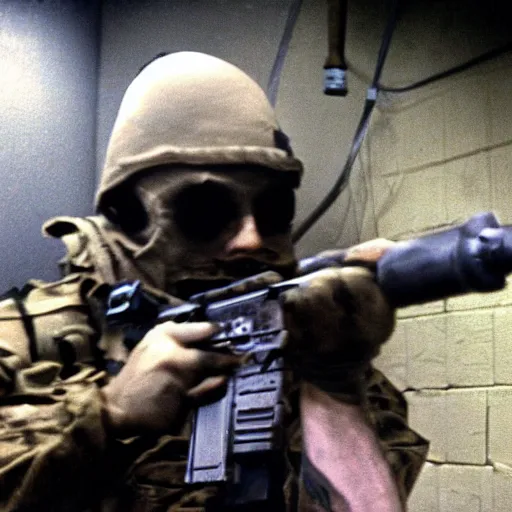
209 228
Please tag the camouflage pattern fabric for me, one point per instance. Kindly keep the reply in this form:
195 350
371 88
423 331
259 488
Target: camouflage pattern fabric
54 452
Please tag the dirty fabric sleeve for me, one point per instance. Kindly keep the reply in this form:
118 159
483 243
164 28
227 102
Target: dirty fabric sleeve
52 443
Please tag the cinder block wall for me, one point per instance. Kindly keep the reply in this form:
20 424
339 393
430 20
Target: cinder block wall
437 156
432 158
444 154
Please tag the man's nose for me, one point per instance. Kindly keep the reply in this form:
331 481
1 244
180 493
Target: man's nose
247 238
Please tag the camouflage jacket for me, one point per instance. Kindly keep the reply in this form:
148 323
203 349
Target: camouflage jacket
54 452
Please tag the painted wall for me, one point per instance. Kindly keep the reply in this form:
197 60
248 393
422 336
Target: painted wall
434 157
48 67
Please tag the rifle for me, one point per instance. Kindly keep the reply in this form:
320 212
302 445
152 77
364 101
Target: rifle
238 439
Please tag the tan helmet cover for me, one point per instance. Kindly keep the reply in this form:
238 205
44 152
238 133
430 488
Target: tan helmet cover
193 109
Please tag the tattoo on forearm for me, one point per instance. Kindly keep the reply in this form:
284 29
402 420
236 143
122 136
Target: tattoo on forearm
319 489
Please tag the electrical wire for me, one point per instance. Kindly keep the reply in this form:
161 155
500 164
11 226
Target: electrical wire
275 73
370 101
492 54
371 98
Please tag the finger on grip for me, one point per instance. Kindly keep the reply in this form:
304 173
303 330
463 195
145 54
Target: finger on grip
188 333
301 303
207 387
215 363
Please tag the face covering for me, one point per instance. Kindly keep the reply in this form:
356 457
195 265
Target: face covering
190 218
191 112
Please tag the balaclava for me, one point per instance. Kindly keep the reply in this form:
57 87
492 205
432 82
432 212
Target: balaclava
185 111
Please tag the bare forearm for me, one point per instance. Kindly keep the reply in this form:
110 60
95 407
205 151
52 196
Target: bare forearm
344 470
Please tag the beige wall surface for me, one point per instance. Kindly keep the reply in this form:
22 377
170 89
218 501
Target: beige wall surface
432 157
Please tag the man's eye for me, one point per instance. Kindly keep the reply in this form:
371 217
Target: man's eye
203 211
274 210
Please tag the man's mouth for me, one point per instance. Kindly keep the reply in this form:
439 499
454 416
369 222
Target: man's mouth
227 272
241 267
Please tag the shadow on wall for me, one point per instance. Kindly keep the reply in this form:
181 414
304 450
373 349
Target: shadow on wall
49 54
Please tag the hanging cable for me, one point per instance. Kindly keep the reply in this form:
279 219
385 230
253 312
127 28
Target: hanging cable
277 68
492 54
371 98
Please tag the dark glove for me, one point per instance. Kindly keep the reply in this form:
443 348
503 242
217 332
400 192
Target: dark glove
336 323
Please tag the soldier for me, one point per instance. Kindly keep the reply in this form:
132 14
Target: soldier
197 191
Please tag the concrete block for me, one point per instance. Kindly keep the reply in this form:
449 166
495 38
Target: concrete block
502 491
354 217
466 428
468 183
500 425
481 300
392 360
428 416
500 90
469 353
501 171
427 352
465 488
404 203
420 133
425 494
503 346
382 143
429 308
466 116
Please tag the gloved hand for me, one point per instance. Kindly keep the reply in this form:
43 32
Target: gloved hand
164 372
336 323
